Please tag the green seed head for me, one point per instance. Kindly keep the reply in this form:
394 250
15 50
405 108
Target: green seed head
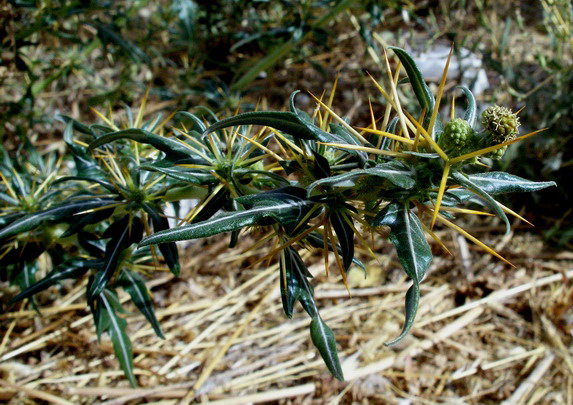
501 123
457 134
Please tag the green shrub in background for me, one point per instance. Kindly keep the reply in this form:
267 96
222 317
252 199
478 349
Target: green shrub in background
310 182
97 52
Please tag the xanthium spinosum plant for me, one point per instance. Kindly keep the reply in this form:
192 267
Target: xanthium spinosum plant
308 182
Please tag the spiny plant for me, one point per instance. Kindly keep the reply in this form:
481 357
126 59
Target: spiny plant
308 181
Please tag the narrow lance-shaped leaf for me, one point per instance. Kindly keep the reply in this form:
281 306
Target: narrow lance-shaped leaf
471 110
265 212
395 172
500 182
345 235
289 283
192 176
123 233
67 270
171 147
168 250
134 285
464 181
421 89
115 327
323 339
63 211
414 253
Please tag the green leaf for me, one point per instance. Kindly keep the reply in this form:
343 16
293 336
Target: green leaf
345 235
395 172
192 176
284 121
414 253
70 269
471 111
173 149
105 184
168 250
25 276
134 285
412 301
197 122
123 233
290 285
468 184
264 211
324 340
321 166
501 182
421 89
115 327
64 211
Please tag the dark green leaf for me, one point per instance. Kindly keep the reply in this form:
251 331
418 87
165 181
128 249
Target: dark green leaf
412 301
471 110
192 176
345 235
395 172
105 184
134 285
171 147
64 211
70 269
501 182
125 232
323 339
407 234
168 250
321 166
285 211
468 184
115 327
414 253
284 121
421 89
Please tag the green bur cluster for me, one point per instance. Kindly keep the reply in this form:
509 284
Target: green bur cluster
502 125
457 136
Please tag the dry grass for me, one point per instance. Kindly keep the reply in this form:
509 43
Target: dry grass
485 333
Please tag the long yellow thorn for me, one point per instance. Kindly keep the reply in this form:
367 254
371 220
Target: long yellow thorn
105 119
388 135
366 149
473 239
340 120
396 99
440 92
441 192
512 212
428 138
417 138
141 111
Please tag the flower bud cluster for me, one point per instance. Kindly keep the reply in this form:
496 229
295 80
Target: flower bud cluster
502 126
457 136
